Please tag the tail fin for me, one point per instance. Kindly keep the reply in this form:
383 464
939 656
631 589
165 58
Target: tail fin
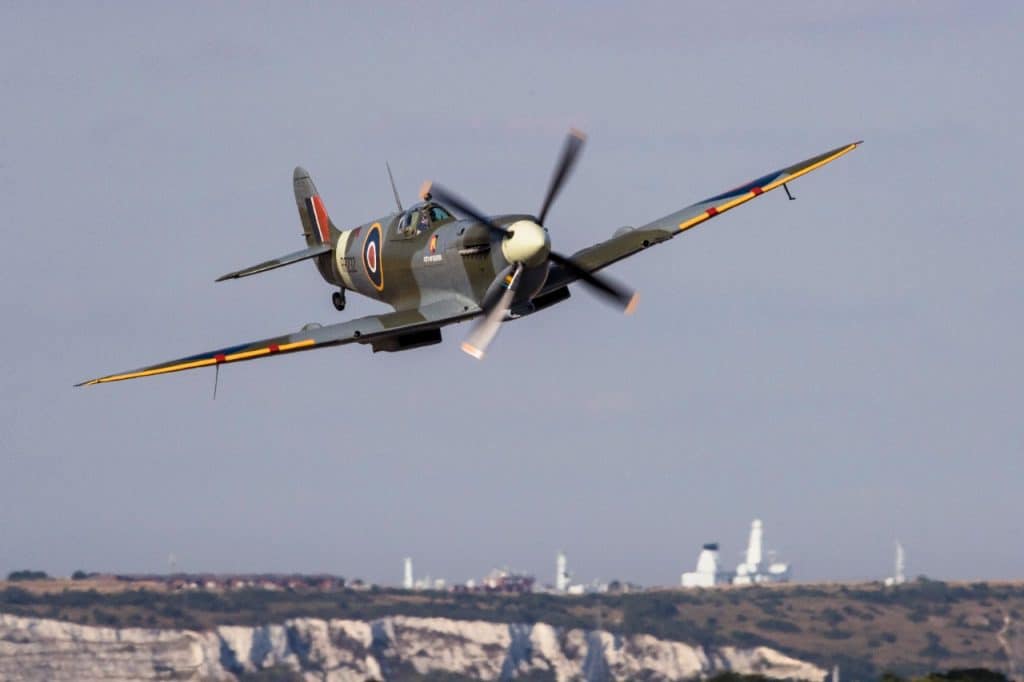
320 233
316 224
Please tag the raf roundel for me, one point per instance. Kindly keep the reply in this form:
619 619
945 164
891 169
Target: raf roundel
372 263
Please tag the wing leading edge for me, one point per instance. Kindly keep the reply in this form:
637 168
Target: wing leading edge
361 330
627 243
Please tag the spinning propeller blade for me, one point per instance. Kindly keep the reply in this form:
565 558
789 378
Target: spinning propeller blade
601 285
570 152
501 293
443 195
495 305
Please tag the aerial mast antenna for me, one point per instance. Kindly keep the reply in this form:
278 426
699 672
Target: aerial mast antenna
393 188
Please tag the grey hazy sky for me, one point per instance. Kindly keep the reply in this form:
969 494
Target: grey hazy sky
846 366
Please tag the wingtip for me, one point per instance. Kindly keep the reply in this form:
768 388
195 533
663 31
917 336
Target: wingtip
89 382
578 134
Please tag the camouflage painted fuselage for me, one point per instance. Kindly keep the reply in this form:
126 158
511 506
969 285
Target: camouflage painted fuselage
451 258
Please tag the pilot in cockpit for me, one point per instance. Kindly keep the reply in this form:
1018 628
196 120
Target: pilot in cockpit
424 223
421 218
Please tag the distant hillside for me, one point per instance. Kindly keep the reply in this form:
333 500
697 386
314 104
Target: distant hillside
865 628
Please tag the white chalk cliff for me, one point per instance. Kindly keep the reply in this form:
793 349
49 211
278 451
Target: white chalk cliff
397 647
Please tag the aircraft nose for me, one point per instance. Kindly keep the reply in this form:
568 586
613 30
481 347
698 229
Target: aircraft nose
529 243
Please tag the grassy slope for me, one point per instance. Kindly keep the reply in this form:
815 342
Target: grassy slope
866 628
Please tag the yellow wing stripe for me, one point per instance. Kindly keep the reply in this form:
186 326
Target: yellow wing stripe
712 211
205 362
814 166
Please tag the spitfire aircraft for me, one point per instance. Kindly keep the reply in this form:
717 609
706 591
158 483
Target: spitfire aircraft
443 261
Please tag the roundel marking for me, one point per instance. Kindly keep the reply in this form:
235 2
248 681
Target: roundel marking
371 257
372 262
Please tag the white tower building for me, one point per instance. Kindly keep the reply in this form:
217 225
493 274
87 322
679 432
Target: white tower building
407 583
754 545
754 569
561 573
900 575
746 572
707 573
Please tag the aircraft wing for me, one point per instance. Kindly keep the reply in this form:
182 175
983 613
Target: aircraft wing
362 330
630 241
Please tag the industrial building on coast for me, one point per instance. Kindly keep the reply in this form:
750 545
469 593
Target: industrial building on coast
753 570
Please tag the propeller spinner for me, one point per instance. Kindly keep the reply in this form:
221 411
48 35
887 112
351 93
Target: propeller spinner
526 244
